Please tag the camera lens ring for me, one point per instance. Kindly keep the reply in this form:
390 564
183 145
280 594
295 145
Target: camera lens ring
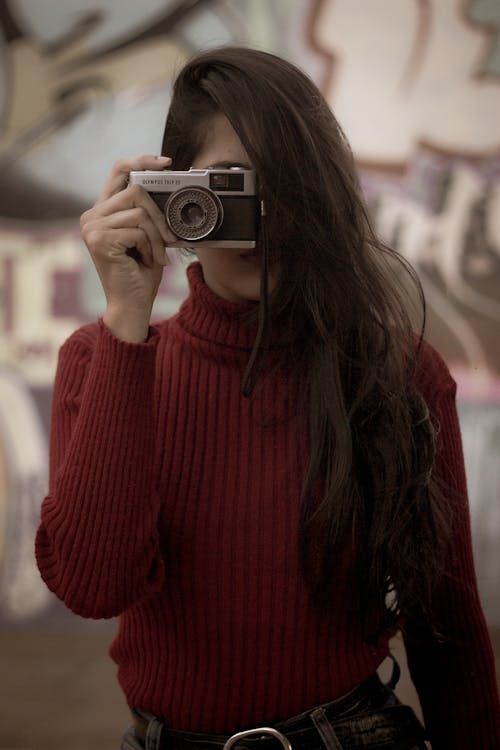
177 207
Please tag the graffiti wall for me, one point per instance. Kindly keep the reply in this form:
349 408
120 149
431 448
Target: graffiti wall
424 128
415 85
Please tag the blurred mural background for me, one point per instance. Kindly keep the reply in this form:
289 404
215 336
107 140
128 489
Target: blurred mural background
416 86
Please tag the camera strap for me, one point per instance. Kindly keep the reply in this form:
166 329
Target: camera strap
261 344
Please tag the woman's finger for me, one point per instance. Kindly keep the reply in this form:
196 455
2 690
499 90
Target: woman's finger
109 246
118 178
138 217
133 197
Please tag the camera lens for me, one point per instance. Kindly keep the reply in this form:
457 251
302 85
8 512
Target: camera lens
192 213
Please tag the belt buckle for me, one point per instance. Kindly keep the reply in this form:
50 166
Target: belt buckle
253 733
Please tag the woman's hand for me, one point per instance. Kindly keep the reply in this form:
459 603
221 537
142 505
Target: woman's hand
126 234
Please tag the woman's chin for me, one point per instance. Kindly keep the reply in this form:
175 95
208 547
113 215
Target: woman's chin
242 291
235 275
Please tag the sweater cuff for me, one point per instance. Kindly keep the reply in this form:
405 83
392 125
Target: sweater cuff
106 333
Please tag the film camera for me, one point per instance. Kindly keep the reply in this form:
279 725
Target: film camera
208 207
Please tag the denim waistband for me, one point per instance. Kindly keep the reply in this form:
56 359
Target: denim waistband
369 696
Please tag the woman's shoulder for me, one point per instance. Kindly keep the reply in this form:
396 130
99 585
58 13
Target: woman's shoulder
433 376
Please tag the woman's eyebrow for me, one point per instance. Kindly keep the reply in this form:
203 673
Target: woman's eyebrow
228 165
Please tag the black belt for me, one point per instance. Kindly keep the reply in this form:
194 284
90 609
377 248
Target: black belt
298 732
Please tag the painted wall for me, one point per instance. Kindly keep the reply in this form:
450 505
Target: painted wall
416 86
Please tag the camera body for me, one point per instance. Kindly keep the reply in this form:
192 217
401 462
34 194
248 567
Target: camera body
206 207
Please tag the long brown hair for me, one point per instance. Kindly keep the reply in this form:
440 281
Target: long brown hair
340 294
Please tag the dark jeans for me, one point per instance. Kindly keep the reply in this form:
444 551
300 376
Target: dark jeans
370 717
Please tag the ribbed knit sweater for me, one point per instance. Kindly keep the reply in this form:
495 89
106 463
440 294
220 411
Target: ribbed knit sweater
174 503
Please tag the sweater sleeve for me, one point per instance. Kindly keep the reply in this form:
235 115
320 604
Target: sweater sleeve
454 673
97 545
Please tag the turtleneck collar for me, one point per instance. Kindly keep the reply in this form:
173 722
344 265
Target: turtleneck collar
207 316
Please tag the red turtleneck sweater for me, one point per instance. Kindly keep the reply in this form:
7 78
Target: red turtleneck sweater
174 503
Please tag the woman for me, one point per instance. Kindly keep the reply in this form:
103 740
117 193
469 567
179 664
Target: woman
261 548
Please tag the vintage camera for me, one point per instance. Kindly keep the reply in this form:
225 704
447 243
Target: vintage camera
208 207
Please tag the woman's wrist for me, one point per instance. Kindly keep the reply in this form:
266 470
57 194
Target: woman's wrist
131 326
